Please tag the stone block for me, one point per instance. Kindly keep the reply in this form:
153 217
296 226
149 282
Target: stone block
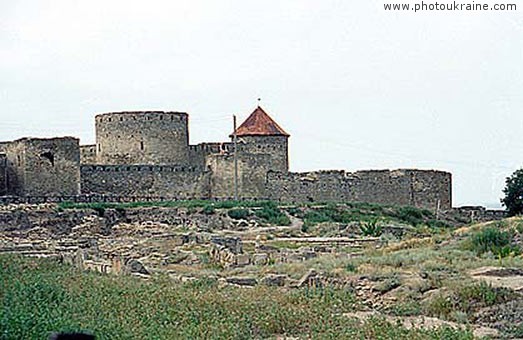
276 280
242 260
242 281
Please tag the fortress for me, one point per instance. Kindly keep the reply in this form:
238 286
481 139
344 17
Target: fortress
147 155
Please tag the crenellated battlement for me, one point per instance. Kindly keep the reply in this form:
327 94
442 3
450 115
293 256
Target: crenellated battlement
140 168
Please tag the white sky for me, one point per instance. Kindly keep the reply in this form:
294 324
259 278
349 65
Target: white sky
355 86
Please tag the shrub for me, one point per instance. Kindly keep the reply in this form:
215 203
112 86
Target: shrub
351 267
305 227
494 240
413 216
467 299
272 215
208 209
238 214
296 212
371 228
316 216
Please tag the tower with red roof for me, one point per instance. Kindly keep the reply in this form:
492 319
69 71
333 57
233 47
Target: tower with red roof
259 134
262 146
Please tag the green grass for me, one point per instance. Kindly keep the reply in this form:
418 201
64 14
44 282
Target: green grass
366 213
207 205
495 240
40 296
465 299
343 212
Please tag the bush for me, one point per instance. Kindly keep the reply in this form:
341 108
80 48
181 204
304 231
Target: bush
316 216
305 227
371 228
413 216
494 240
351 267
238 214
272 215
208 209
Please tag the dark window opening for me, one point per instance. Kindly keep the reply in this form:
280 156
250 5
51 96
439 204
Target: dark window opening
49 156
141 146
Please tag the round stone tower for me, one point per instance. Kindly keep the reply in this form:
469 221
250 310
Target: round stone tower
142 137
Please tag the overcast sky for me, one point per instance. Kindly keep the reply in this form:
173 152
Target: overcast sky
355 86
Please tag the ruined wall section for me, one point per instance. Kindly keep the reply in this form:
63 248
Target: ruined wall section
431 188
52 166
15 168
88 154
148 137
47 167
166 181
421 188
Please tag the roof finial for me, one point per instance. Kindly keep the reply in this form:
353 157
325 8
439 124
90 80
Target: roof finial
259 100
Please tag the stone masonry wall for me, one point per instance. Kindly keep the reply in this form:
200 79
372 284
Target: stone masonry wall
151 137
274 150
198 153
3 174
48 166
421 188
146 180
257 155
52 166
88 154
15 165
252 174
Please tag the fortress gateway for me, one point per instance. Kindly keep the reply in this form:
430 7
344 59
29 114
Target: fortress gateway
147 155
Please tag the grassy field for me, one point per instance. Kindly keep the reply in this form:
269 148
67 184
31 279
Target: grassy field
40 296
273 213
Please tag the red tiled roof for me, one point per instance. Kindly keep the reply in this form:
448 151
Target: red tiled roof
259 123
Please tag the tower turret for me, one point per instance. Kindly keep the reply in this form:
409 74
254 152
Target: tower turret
144 137
260 135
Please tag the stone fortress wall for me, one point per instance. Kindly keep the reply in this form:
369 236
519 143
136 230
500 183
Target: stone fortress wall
422 188
146 180
147 154
36 166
